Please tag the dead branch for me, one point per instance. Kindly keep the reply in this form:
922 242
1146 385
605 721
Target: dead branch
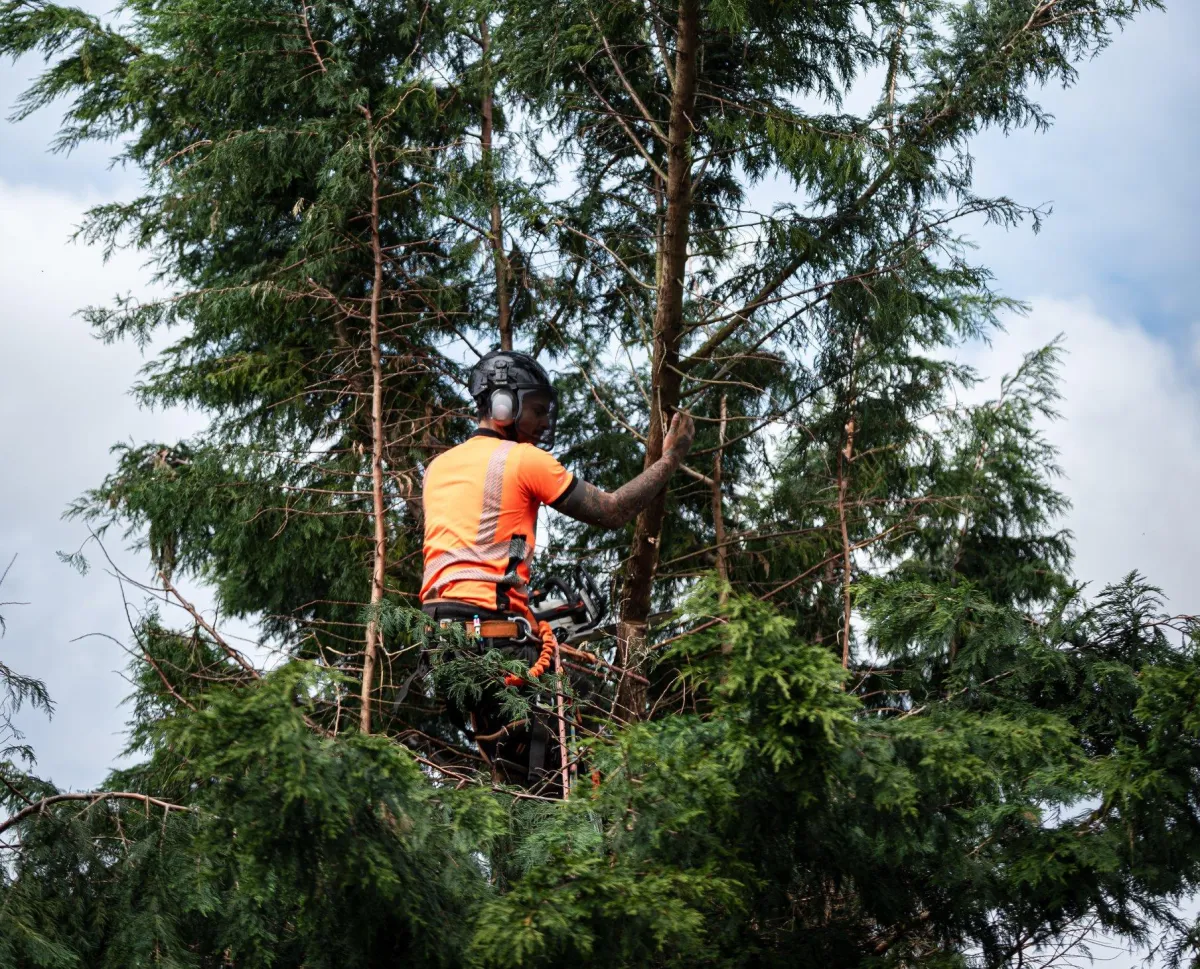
204 624
39 807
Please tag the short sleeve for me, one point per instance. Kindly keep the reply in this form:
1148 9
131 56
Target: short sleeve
542 477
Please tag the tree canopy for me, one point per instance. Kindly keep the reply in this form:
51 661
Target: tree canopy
855 708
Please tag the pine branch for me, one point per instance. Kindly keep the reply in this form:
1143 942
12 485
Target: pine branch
39 807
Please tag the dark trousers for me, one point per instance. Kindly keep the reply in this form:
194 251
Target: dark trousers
524 752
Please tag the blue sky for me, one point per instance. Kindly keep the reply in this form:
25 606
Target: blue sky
1116 168
1114 269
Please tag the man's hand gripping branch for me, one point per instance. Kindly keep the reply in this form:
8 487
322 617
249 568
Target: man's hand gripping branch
590 505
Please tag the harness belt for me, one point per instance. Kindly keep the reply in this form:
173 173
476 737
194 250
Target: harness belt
490 628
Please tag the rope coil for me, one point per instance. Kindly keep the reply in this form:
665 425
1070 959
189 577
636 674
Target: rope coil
543 660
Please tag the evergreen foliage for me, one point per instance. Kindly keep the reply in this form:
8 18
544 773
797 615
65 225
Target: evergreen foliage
884 723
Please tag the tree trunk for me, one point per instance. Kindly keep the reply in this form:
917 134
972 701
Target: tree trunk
845 456
503 305
377 571
642 565
845 461
718 511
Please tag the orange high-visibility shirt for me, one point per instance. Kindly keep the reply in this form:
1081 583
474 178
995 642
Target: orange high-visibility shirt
481 504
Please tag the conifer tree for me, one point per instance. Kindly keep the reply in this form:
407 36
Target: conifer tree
890 729
297 163
692 289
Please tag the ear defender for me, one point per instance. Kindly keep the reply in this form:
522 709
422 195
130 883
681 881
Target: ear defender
503 406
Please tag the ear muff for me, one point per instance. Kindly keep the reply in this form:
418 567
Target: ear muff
503 406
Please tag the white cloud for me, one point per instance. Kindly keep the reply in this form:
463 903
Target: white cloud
25 159
1129 440
63 402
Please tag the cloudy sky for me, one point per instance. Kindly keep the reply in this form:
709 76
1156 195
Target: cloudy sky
1113 270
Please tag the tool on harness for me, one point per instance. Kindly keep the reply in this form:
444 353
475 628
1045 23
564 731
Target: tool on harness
534 750
571 604
565 608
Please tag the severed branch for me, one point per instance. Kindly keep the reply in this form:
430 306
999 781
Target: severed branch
204 624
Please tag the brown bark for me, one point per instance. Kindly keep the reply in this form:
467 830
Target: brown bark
39 807
503 304
894 74
642 564
208 627
719 516
717 509
845 459
380 553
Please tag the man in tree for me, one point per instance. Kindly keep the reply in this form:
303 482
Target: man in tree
481 505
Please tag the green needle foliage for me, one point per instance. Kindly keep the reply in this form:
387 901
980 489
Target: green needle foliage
884 723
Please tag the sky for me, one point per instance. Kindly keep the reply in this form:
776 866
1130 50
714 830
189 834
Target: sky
1113 270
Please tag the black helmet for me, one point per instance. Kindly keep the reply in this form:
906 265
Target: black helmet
502 380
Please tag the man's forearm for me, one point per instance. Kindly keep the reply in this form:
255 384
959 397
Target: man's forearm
589 504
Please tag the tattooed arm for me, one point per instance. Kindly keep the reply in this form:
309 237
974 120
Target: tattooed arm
590 505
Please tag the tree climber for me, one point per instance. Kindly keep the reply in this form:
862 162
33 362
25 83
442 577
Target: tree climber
481 503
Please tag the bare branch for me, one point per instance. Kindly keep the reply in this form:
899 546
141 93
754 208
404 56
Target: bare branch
204 624
620 119
649 119
39 807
